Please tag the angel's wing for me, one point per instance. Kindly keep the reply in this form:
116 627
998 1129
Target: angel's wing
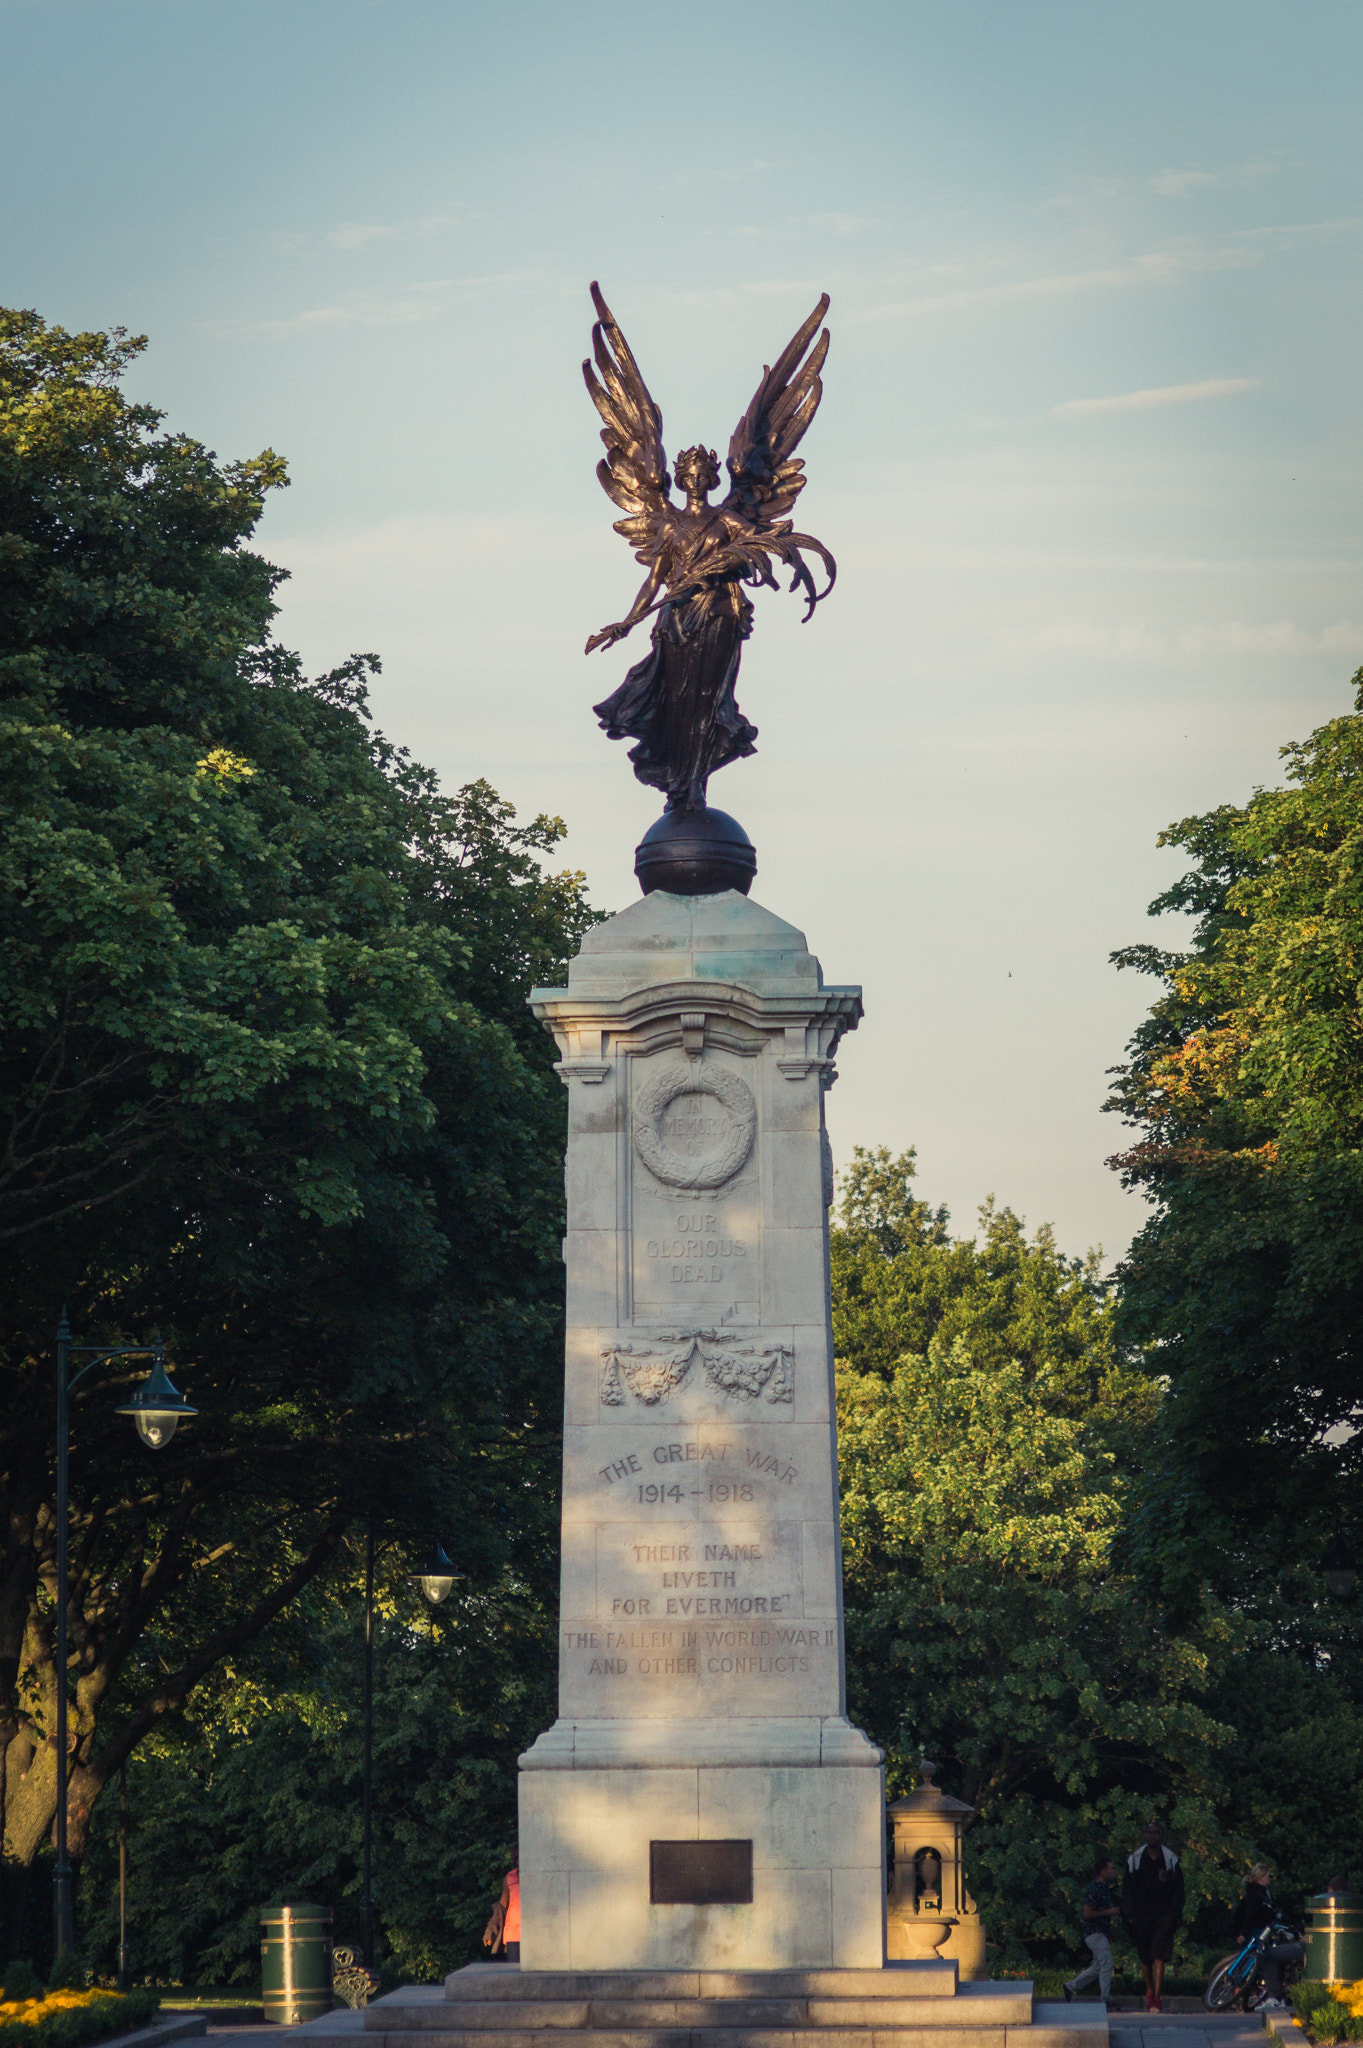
634 474
766 478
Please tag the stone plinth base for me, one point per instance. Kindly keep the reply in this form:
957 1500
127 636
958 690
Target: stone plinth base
817 1835
905 2005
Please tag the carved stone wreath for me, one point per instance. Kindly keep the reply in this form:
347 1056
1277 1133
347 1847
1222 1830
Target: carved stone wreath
651 1371
669 1166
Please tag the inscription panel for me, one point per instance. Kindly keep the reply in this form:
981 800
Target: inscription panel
684 1561
697 1259
714 1667
714 1470
679 1573
700 1873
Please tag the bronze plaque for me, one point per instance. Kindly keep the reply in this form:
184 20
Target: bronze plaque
700 1873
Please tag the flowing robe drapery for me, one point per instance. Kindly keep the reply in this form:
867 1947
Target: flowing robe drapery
678 702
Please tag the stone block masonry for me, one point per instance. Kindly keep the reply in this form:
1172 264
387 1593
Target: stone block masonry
701 1675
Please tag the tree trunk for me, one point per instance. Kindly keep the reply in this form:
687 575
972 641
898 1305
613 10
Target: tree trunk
30 1796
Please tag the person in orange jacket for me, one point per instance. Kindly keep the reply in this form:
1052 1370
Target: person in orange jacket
503 1930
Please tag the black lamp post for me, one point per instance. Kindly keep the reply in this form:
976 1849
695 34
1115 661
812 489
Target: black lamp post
157 1408
366 1886
436 1579
123 1971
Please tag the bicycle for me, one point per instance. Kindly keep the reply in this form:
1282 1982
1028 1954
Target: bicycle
1235 1980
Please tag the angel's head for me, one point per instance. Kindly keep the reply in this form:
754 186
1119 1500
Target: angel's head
697 473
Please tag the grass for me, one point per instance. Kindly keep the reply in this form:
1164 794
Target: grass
212 1995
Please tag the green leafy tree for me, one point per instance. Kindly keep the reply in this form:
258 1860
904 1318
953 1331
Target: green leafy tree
1244 1288
1292 1771
989 1456
254 1793
1245 1085
900 1280
266 1083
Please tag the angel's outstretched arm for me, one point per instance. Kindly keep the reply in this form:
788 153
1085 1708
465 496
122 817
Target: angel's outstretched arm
647 591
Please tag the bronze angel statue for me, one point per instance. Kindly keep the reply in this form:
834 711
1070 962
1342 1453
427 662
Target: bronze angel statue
678 704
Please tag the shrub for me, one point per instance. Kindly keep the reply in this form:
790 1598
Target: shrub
1332 2012
21 1981
73 2019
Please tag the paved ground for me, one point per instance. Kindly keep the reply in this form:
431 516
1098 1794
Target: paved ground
1187 2030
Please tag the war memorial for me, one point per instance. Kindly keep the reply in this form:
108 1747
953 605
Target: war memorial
702 1832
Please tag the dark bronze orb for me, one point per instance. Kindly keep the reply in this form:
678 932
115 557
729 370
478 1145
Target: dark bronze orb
695 853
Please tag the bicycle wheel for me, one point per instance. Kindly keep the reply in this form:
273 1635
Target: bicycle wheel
1222 1990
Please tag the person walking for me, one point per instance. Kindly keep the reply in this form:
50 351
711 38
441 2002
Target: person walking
503 1930
1152 1906
1253 1914
1099 1913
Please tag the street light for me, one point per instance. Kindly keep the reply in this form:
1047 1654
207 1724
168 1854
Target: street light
1339 1568
436 1578
156 1407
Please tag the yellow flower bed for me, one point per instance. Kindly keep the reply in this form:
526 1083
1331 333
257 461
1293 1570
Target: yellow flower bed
30 2011
1350 1996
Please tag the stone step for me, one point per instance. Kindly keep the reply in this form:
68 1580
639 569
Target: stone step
979 2031
481 1981
990 2005
975 2006
1056 2025
985 2015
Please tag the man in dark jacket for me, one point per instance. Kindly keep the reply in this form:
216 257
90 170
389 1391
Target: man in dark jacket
1152 1906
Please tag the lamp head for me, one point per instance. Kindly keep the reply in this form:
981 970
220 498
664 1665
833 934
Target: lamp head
157 1406
437 1576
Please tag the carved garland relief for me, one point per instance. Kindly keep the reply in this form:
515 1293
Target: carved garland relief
652 1371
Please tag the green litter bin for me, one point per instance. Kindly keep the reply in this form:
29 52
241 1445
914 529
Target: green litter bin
295 1962
1334 1937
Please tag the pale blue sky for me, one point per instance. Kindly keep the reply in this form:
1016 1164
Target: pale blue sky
363 233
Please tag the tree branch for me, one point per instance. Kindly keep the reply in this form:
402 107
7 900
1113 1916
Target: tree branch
176 1689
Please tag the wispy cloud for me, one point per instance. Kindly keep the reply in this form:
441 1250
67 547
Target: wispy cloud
1157 395
362 234
720 298
1156 267
839 223
357 235
1172 184
1139 640
1297 231
423 301
368 309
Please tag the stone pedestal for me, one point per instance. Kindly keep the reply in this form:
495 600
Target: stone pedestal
701 1687
930 1912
